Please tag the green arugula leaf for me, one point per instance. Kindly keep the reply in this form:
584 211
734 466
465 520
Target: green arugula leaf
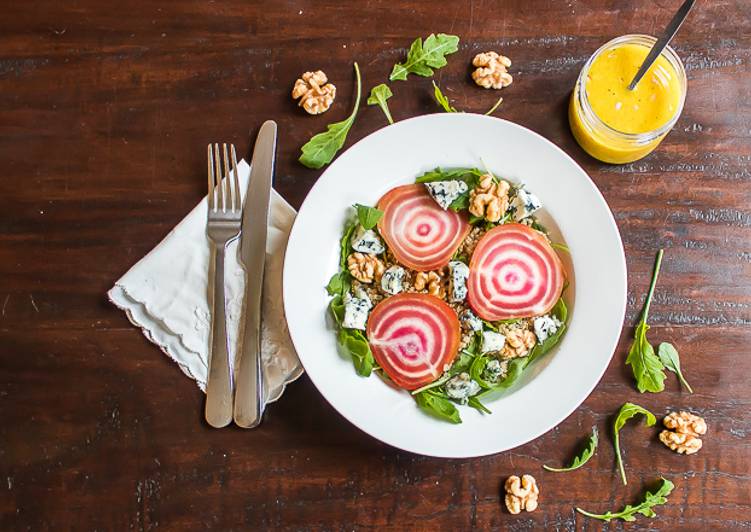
495 106
378 96
647 367
627 411
560 311
321 149
670 359
645 507
354 343
336 306
368 216
475 403
339 284
345 245
438 406
560 246
583 458
423 58
442 100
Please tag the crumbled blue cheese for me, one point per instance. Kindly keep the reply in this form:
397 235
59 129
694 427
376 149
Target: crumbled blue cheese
445 192
492 341
356 310
458 274
494 370
470 321
367 241
524 204
461 387
545 326
392 280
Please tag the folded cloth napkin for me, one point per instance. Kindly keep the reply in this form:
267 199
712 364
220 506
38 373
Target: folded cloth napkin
166 295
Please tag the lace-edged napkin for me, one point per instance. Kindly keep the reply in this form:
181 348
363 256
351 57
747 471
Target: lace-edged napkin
166 295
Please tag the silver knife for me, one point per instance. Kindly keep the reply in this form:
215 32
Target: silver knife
249 389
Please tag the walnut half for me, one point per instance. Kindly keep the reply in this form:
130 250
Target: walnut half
686 429
491 70
315 93
521 494
489 199
430 280
364 267
518 343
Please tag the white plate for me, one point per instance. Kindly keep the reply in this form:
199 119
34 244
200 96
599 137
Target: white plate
553 386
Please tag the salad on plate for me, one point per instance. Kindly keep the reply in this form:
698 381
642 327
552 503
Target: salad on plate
449 288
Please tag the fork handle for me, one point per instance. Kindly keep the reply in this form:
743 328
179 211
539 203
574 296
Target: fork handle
219 385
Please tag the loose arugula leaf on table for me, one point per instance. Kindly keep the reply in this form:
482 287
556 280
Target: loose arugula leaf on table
442 100
645 507
647 367
368 216
495 106
627 411
378 96
422 58
321 149
583 458
354 343
439 406
670 359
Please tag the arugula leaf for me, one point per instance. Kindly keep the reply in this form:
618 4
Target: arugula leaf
423 58
438 406
627 411
645 507
338 284
475 403
345 245
647 367
354 343
336 306
583 458
442 100
368 216
560 311
670 359
378 96
471 176
495 106
321 149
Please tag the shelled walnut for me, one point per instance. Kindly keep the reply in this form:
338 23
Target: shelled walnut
365 268
430 280
491 71
518 343
521 494
489 199
315 93
686 428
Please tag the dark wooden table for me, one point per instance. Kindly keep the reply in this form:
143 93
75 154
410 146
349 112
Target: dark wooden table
105 112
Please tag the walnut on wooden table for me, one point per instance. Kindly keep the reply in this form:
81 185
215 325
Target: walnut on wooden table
685 429
521 494
315 93
491 71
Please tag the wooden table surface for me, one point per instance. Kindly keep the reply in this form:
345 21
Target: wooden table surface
105 112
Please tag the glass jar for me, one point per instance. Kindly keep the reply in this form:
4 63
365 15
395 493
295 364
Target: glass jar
604 142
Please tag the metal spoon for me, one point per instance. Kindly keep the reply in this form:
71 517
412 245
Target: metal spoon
662 42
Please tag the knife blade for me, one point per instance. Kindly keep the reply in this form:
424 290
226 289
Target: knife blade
249 390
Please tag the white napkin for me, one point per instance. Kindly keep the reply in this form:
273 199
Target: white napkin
166 295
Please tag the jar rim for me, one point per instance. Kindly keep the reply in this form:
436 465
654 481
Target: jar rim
668 53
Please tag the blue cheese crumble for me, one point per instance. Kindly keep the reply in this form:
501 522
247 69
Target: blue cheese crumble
367 241
392 280
525 204
494 370
546 326
470 321
356 310
445 192
492 341
458 274
461 387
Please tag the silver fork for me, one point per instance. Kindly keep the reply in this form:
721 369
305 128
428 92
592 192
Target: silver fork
223 225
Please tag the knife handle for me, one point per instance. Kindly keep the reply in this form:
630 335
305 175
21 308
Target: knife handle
250 394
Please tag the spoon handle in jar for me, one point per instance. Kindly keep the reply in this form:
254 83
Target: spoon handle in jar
662 42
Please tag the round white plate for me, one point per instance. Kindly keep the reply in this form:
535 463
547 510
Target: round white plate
573 210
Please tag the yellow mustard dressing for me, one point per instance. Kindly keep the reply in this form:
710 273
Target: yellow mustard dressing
650 107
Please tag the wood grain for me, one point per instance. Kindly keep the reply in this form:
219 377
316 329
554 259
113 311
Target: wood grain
104 108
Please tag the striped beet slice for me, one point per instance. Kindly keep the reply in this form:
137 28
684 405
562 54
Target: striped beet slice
421 235
413 336
513 273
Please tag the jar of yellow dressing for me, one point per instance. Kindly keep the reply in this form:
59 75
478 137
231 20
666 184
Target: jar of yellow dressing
614 124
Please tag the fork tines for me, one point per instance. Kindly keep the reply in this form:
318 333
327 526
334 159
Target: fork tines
224 187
